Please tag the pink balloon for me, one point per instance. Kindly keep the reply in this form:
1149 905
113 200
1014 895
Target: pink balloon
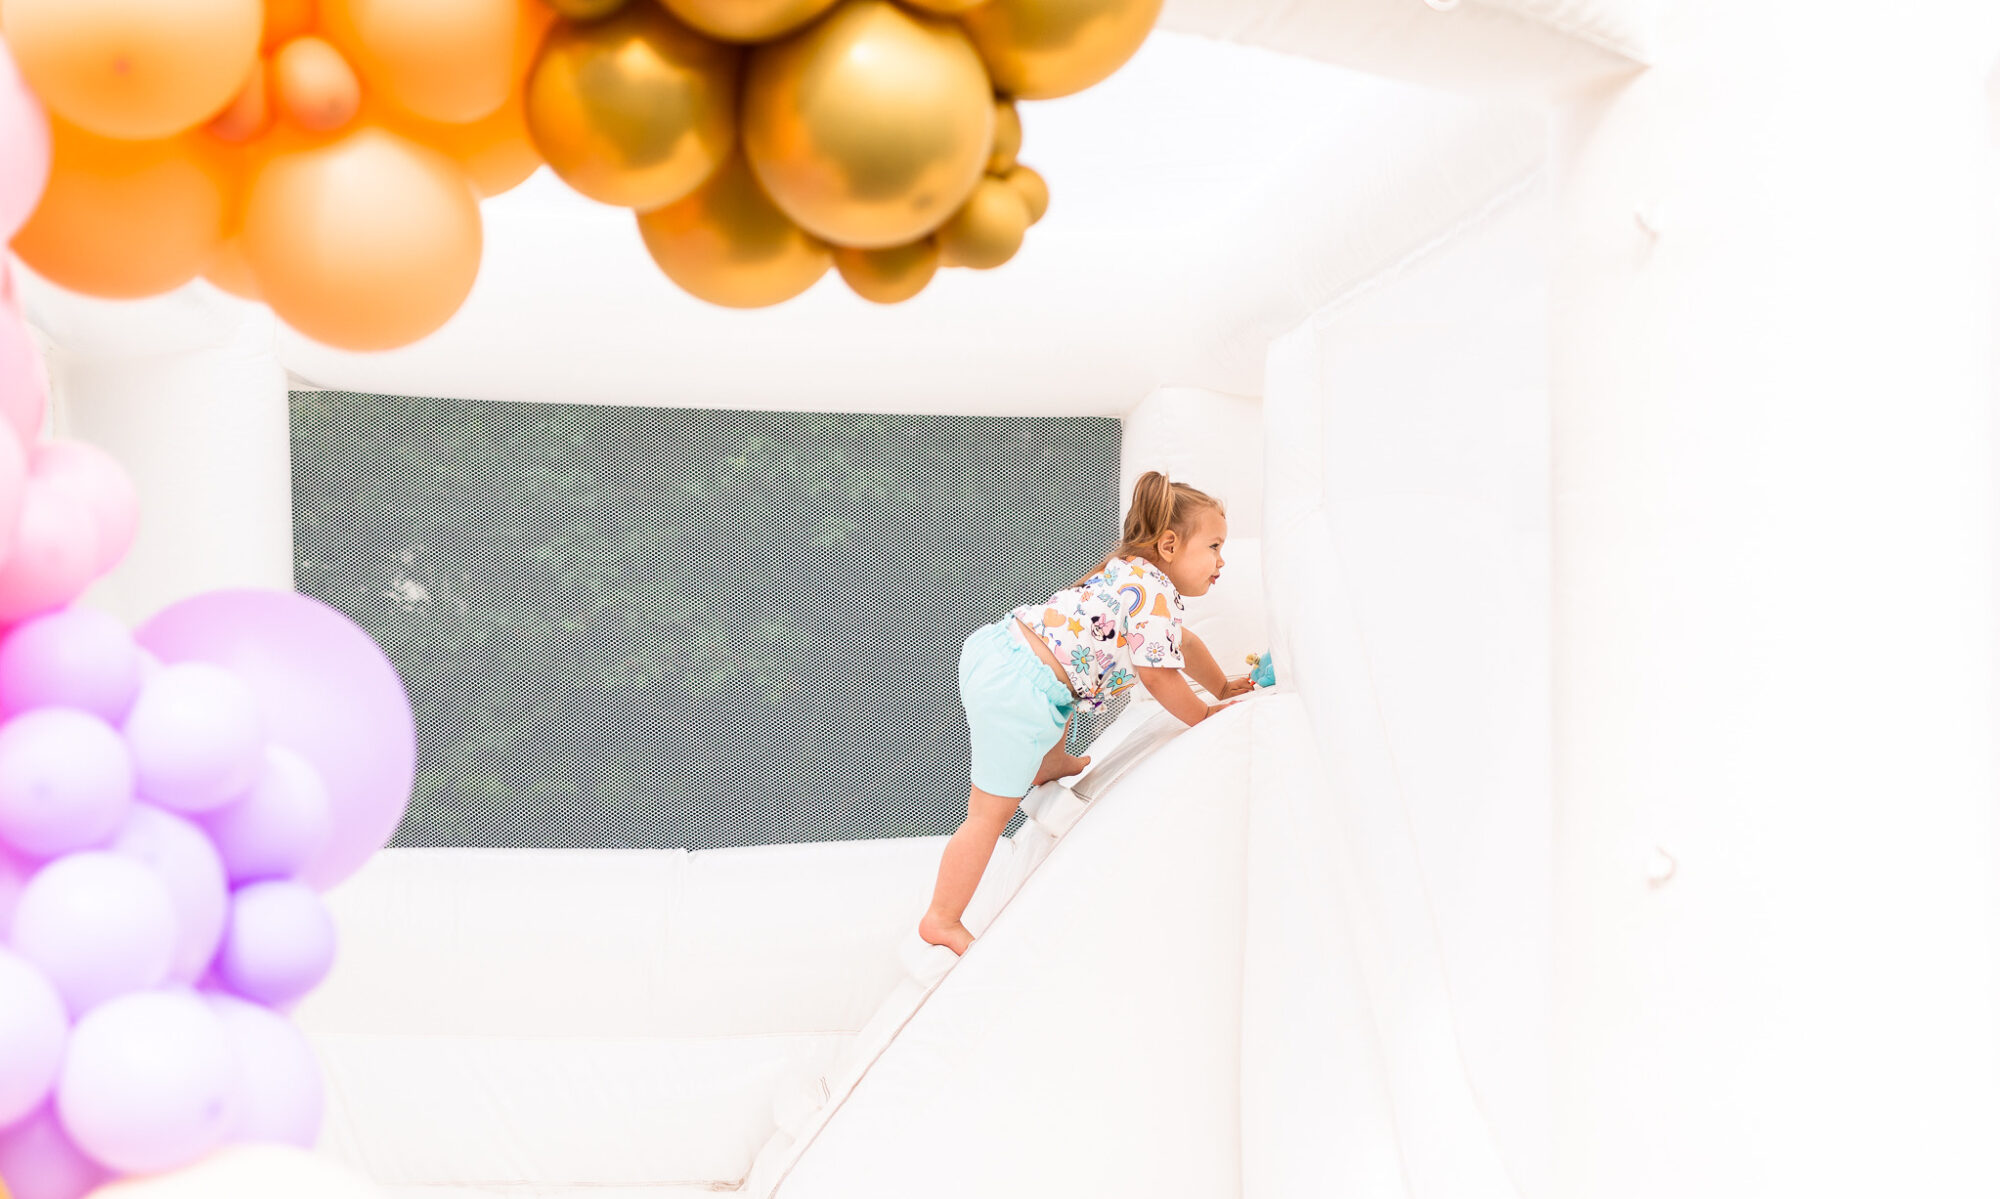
105 489
325 690
39 1161
24 148
55 551
24 379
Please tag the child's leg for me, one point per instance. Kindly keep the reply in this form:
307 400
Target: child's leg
1059 763
965 858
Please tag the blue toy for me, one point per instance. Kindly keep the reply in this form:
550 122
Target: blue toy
1262 675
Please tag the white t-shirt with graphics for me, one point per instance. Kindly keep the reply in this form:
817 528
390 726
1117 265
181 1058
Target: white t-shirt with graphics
1129 614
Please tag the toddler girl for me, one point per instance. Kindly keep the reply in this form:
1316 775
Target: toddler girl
1024 676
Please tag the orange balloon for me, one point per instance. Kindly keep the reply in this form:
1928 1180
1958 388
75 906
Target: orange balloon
287 19
125 219
249 114
230 270
495 151
444 60
535 19
728 244
888 276
316 88
367 243
136 69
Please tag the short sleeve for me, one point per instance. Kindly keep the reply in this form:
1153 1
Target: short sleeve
1152 623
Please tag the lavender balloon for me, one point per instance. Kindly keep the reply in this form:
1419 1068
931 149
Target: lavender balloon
74 658
325 690
276 829
33 1031
39 1161
187 863
14 875
150 1082
280 942
196 737
98 925
279 1095
65 782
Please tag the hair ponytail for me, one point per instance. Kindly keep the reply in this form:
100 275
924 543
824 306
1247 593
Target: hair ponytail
1158 505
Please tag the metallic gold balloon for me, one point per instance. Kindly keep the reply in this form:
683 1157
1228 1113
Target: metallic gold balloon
136 69
635 110
728 244
871 126
586 10
747 20
315 87
125 219
946 7
444 60
365 243
1039 49
888 276
988 229
1033 188
1006 138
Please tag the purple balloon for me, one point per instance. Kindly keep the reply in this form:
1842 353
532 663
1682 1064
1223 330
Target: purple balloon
14 875
326 691
196 737
34 1028
279 1096
149 1083
275 830
65 782
75 658
187 863
39 1161
98 925
279 944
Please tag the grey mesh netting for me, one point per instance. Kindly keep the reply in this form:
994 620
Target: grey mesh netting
688 627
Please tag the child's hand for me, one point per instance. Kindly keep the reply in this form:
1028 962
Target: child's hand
1237 686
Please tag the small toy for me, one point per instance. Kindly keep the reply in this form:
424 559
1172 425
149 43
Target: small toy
1261 674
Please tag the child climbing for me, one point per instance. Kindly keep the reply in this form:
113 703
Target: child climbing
1025 676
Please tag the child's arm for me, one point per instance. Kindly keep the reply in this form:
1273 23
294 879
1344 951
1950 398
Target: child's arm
1174 694
1201 665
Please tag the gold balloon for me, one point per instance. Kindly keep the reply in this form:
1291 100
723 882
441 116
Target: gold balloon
888 276
316 88
636 110
728 244
444 60
125 219
1040 49
366 243
988 229
1006 138
747 20
871 126
946 7
585 10
135 69
1033 188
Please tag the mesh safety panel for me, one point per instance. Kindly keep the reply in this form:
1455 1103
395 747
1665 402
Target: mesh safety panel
662 627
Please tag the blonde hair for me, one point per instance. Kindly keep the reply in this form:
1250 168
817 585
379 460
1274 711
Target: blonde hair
1158 505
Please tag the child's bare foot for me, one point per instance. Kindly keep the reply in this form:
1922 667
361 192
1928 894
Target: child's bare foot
940 932
1064 766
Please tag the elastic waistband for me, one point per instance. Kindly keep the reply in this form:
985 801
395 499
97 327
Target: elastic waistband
1017 637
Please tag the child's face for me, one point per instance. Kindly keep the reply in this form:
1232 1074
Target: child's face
1196 563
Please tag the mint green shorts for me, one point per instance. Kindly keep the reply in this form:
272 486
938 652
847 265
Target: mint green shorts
1014 707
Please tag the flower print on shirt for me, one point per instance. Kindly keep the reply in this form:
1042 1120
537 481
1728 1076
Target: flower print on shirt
1128 615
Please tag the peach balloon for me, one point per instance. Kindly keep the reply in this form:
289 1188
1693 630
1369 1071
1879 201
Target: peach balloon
444 60
137 69
229 269
728 244
367 243
316 88
495 151
127 219
287 19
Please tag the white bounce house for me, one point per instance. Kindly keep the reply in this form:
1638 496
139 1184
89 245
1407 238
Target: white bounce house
1603 396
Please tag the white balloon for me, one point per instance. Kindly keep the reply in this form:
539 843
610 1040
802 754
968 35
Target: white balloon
257 1171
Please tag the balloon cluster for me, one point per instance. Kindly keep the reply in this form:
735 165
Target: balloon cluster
171 804
326 156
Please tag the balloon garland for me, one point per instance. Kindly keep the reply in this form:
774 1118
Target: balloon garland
326 156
